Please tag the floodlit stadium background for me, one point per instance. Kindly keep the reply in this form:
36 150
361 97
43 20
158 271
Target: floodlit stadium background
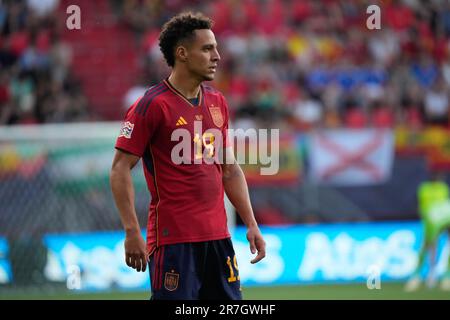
363 118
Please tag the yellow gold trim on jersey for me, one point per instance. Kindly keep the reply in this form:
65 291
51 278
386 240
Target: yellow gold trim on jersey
175 91
159 198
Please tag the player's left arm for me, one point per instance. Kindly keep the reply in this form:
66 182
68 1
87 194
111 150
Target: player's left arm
236 189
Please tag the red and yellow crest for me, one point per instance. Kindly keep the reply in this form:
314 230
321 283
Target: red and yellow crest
216 115
171 280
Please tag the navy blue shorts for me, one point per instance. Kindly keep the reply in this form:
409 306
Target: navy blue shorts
195 271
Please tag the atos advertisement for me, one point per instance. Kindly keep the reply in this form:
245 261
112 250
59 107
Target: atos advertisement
335 253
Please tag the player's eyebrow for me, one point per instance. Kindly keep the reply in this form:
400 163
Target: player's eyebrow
209 45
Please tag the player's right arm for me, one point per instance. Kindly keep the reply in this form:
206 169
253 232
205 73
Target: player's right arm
123 193
140 123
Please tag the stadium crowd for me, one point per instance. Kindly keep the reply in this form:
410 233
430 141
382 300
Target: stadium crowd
36 83
305 63
315 63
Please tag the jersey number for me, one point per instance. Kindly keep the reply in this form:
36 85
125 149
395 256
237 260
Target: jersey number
233 277
207 141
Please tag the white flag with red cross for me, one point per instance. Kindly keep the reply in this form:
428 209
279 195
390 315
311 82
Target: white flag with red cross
351 157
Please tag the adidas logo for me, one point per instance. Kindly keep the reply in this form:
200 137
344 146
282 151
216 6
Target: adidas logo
181 122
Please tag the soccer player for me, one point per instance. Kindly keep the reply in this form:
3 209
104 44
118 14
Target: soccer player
434 208
189 249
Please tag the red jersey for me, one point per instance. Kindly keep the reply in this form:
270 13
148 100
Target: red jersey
187 200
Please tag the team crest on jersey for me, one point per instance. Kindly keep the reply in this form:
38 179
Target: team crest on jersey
171 280
216 115
126 130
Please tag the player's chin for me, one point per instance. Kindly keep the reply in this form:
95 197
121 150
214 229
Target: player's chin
209 76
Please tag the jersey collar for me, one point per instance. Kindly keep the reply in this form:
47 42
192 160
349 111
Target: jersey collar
178 93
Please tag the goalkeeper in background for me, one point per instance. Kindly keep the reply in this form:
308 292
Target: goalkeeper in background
434 209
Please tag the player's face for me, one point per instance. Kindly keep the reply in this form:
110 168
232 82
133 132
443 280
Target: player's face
203 57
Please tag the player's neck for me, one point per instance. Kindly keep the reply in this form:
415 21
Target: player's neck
187 86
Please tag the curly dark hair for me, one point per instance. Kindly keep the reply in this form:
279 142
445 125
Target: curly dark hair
179 28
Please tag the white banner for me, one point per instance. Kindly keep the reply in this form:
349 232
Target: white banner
351 157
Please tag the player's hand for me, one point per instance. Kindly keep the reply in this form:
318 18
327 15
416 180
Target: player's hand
257 243
135 252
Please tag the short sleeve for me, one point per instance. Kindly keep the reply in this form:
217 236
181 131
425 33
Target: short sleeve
138 127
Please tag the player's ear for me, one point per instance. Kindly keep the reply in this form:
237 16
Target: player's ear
181 53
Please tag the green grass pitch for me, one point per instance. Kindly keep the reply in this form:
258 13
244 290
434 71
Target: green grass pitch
388 291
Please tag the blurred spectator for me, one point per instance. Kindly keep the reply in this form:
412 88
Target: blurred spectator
5 105
42 8
308 111
134 93
331 119
436 104
355 118
60 56
23 98
411 111
425 71
384 46
382 115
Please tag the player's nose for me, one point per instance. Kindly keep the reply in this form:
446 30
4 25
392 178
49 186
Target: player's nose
216 56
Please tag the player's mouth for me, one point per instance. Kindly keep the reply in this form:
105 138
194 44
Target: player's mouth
213 68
